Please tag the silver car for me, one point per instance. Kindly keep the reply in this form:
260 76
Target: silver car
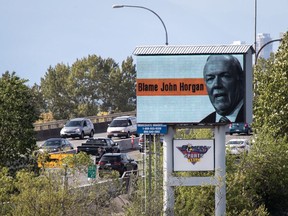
237 146
78 127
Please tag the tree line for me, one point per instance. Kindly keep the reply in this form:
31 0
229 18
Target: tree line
91 85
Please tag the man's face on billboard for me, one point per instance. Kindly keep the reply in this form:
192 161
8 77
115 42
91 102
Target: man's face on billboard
223 84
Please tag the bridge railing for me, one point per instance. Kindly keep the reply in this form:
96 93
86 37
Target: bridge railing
94 119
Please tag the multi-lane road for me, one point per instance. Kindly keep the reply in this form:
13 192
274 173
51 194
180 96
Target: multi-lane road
133 153
136 154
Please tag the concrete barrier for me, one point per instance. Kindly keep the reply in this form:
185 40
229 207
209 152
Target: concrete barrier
46 130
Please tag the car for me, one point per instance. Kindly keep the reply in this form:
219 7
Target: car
56 145
240 128
98 146
120 162
123 126
78 127
237 146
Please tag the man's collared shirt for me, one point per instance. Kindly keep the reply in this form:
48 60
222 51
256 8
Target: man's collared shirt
233 115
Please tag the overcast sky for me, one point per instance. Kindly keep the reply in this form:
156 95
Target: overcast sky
36 34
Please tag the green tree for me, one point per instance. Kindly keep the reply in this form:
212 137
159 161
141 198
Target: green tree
39 99
54 87
119 93
6 189
267 173
90 85
271 92
17 114
90 76
48 194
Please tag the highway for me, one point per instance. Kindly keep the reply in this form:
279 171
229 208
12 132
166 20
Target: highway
77 142
135 153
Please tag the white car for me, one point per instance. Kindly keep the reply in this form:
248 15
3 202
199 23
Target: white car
123 126
237 146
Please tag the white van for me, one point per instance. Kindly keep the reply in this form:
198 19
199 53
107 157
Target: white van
123 126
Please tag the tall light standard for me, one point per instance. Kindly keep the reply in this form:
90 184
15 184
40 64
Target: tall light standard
135 6
260 49
255 26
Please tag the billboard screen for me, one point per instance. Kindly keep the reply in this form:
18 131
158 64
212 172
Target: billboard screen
197 89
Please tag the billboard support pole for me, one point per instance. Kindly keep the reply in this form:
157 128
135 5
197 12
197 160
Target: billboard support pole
220 171
168 202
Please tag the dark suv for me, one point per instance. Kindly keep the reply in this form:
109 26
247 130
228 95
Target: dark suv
240 128
120 162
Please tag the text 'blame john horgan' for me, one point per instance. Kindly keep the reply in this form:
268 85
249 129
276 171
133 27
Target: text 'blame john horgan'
173 86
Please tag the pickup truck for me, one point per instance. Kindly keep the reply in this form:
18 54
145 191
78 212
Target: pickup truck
99 146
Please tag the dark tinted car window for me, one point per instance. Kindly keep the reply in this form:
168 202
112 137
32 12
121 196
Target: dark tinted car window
236 142
119 123
96 142
52 143
73 123
129 122
111 158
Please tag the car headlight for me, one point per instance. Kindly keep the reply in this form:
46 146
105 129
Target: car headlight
78 130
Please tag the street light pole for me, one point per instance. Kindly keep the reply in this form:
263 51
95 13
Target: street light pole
260 49
135 6
255 26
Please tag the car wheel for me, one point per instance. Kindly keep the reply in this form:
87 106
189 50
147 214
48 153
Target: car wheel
82 135
91 134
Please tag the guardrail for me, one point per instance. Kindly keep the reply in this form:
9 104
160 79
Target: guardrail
52 129
94 119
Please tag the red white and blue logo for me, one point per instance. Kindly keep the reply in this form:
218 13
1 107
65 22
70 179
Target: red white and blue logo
193 153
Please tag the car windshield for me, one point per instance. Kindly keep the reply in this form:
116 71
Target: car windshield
73 124
119 123
111 159
235 142
52 143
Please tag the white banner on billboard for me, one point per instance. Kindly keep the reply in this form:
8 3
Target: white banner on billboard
193 155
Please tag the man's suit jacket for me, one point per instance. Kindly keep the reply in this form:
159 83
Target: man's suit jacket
211 118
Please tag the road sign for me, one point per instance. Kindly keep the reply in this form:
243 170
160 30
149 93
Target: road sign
92 171
151 129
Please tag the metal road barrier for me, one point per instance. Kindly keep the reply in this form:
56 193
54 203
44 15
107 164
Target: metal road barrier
94 119
52 129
